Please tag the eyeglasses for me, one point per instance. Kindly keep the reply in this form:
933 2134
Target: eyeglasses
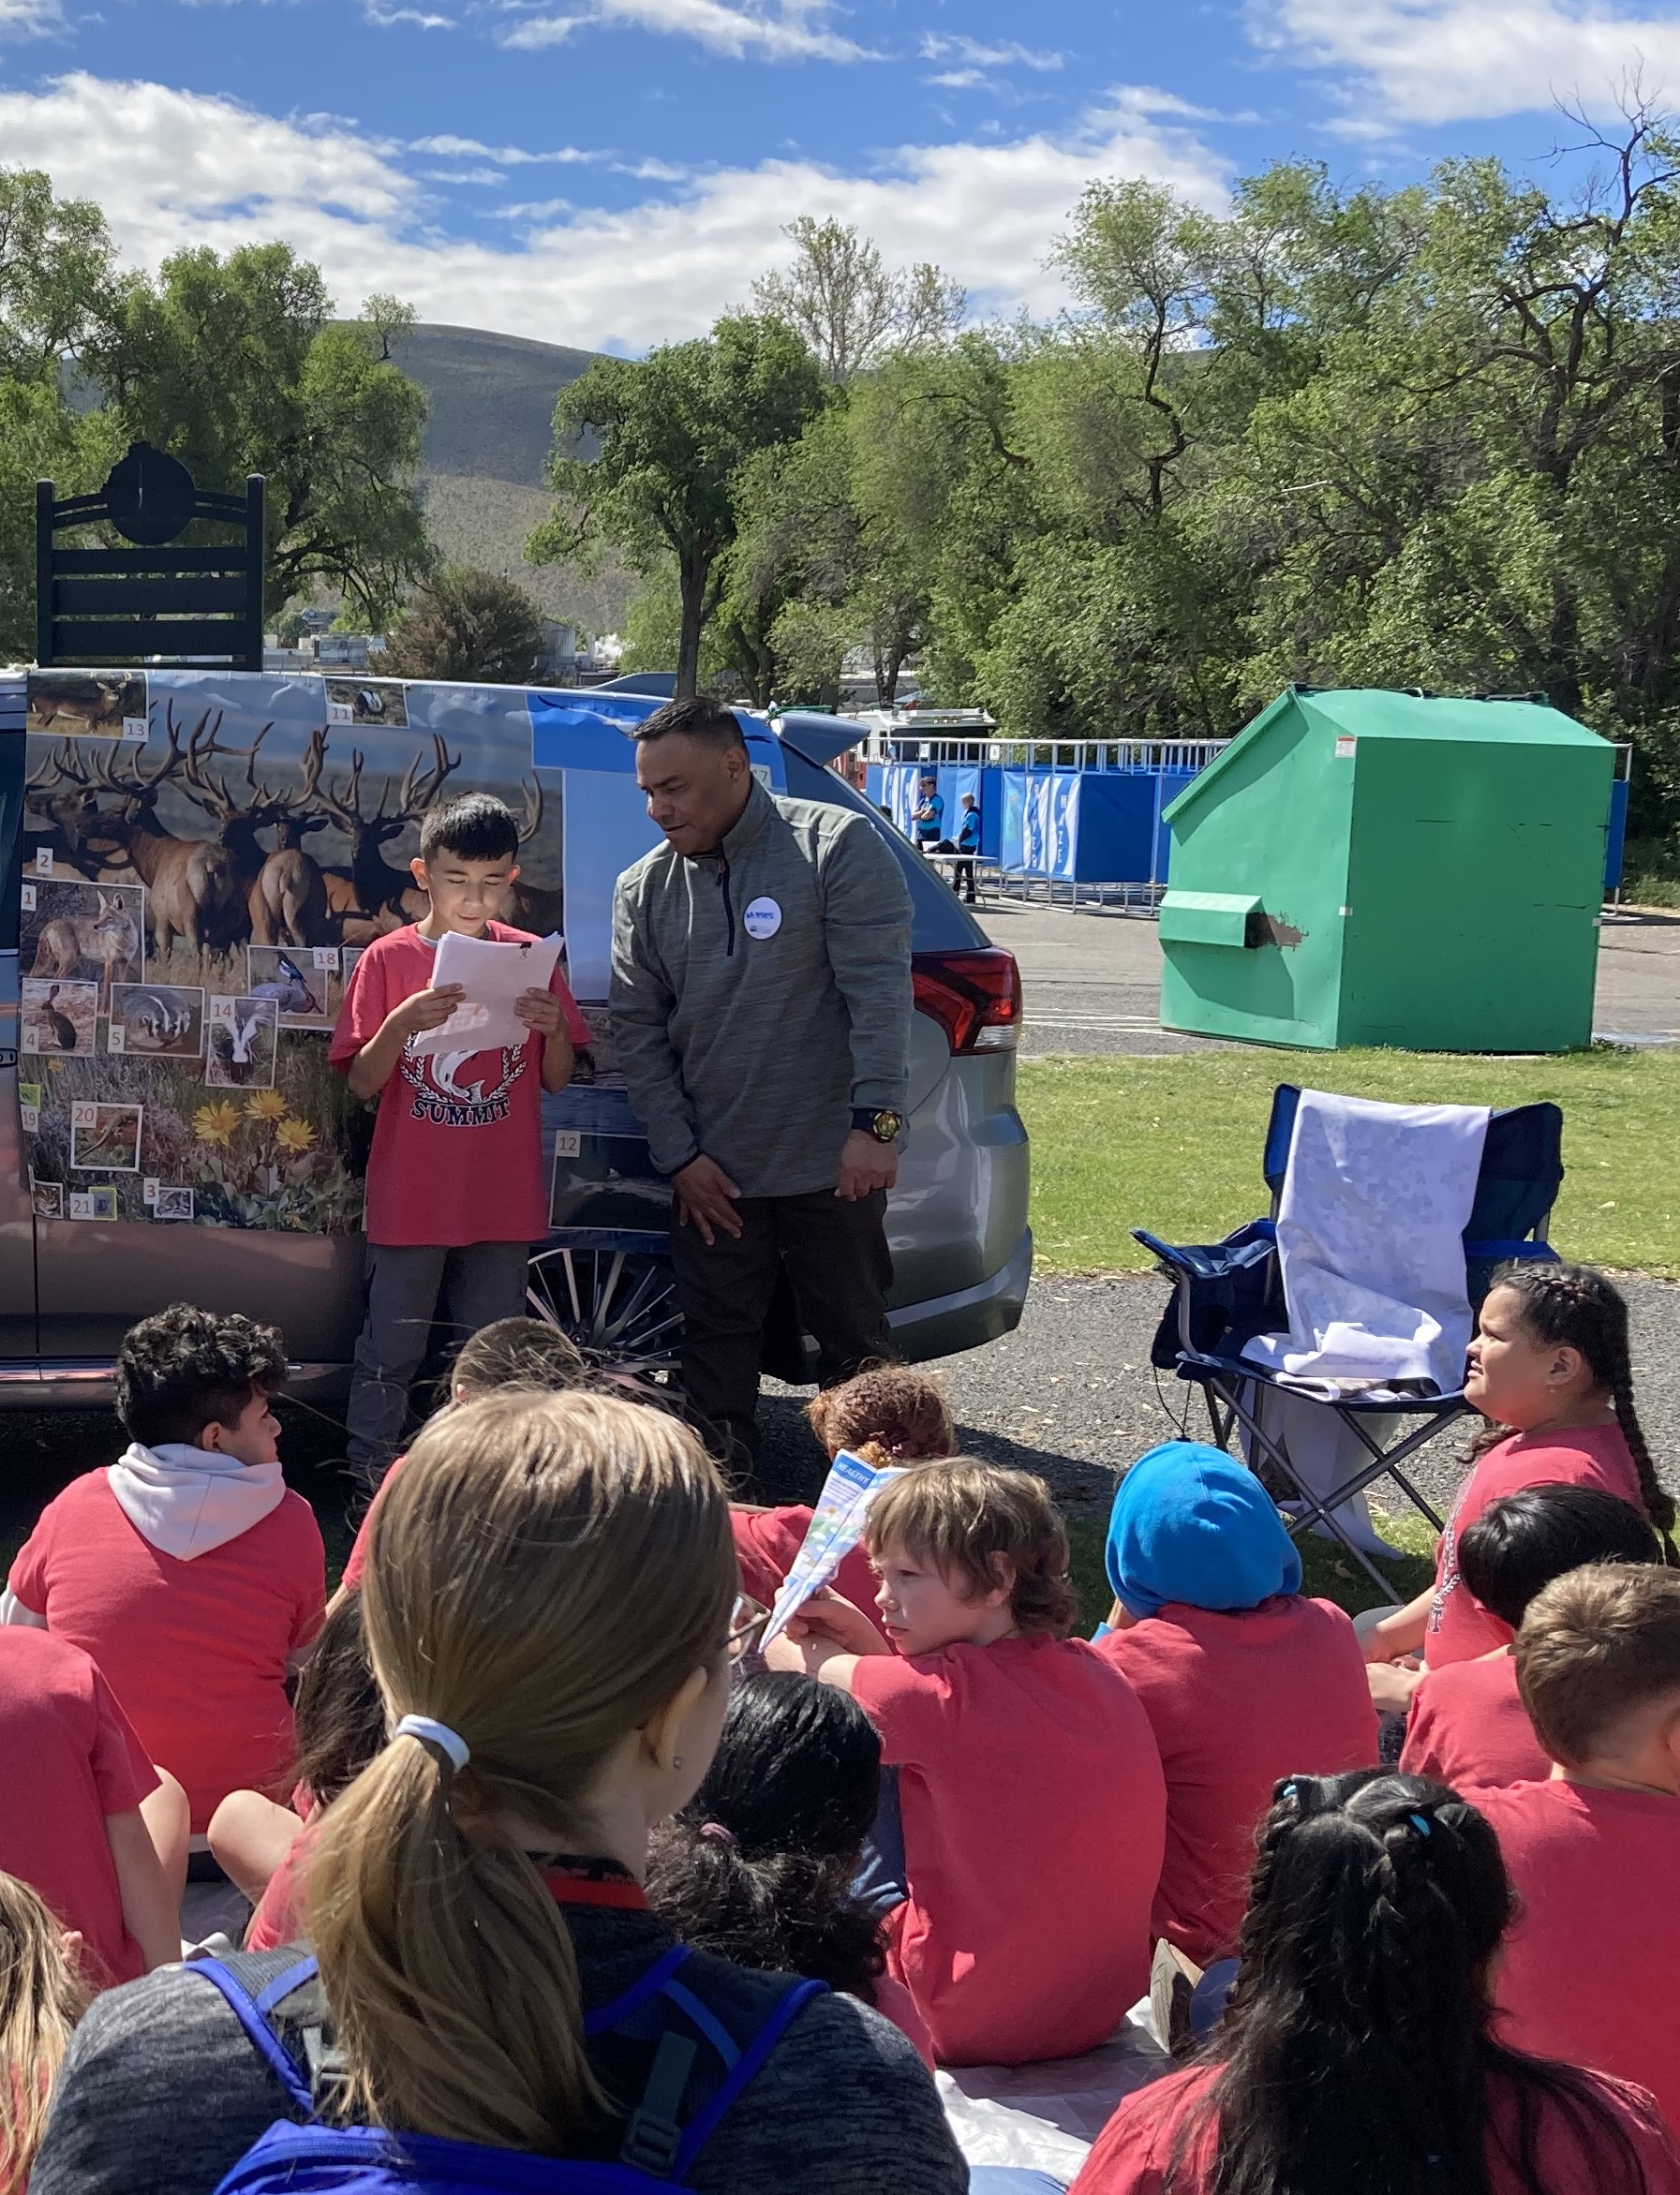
745 1621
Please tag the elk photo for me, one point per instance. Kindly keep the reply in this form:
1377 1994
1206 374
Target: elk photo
107 705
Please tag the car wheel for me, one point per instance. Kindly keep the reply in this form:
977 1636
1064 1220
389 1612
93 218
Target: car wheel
618 1306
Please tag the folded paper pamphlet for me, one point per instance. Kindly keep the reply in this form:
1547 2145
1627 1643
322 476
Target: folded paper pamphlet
492 975
836 1527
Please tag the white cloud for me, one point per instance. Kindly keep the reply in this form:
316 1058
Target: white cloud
386 17
1452 60
174 168
24 18
775 30
469 148
1007 55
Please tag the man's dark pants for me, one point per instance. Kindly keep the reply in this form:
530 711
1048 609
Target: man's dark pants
839 1265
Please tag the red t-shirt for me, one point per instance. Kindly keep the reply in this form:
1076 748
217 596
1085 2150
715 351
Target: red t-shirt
893 2002
765 1545
1460 1629
1467 1725
1133 2150
1034 1817
71 1760
458 1146
195 1652
1238 1699
281 1912
1589 1968
357 1564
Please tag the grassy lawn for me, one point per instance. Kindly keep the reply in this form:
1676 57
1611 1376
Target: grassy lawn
1173 1144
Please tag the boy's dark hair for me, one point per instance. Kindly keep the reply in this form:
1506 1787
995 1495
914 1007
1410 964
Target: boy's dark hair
184 1369
1594 1647
1522 1541
758 1867
476 826
519 1353
962 1516
340 1715
696 719
1359 2047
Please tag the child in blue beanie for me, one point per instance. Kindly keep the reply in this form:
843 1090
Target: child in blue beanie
1242 1679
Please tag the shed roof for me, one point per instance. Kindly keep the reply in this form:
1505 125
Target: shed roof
1367 712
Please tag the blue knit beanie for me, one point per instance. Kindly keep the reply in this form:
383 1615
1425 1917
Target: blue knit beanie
1192 1524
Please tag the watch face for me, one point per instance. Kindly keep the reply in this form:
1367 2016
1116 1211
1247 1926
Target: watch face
886 1125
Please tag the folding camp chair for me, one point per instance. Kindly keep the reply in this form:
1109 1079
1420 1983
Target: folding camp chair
1228 1293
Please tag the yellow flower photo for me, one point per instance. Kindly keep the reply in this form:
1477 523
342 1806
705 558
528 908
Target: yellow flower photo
266 1104
216 1124
295 1135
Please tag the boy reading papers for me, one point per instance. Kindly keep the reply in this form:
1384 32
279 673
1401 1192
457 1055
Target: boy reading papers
1033 1802
454 1183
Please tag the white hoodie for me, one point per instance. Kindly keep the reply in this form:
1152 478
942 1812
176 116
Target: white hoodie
187 1500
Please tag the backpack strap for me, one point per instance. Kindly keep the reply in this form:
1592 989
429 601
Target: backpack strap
786 2008
251 2012
647 1984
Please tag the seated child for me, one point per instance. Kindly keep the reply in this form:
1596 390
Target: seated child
1589 1969
70 1819
890 1415
758 1866
1549 1369
42 1997
341 1725
189 1570
508 1353
1243 1678
1467 1727
1033 1807
1359 2053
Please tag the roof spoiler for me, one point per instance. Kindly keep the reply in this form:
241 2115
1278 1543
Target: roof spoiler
815 735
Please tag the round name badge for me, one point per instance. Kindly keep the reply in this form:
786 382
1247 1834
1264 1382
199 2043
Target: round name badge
762 918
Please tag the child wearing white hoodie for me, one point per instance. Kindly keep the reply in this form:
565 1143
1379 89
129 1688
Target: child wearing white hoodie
189 1570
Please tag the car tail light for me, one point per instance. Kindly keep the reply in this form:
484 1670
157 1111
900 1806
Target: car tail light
975 996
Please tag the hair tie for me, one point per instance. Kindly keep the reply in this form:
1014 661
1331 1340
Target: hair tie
1421 1824
718 1834
448 1742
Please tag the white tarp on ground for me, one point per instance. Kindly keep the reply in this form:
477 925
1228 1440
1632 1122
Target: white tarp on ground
1046 2116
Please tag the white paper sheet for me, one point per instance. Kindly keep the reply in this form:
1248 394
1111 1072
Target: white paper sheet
835 1529
492 975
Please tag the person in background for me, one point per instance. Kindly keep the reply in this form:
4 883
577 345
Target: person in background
1033 1802
759 1866
189 1572
508 1353
547 1605
1358 2050
1549 1369
263 1848
85 1819
889 1415
455 1192
968 844
1242 1677
1588 1973
759 1003
42 1995
929 814
1467 1727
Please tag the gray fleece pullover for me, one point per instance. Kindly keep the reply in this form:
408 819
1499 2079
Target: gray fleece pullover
761 993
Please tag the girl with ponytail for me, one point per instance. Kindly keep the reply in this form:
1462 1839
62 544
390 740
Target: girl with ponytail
1550 1370
547 1609
1358 2049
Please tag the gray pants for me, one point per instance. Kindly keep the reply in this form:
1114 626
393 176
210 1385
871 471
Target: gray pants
476 1286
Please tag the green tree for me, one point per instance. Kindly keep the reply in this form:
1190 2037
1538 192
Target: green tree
468 625
674 431
234 366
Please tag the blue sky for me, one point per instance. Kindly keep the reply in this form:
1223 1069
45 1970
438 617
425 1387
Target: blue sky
614 172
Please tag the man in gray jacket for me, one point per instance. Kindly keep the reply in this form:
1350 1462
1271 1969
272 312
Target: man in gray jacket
761 1001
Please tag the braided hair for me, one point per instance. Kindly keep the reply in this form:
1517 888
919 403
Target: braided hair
1574 1307
1357 2049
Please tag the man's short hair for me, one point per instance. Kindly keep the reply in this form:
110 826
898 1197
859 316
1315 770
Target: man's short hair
696 718
185 1369
1594 1647
961 1515
475 826
1522 1541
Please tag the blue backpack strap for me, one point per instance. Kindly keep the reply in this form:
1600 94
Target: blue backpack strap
786 2008
249 2012
649 1983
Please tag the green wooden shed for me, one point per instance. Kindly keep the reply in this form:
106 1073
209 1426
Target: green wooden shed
1365 867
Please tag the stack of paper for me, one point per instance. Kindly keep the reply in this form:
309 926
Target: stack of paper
836 1527
492 975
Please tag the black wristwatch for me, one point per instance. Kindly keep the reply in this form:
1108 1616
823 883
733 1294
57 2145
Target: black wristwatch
885 1126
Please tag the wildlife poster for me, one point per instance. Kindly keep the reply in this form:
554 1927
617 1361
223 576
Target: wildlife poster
199 897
